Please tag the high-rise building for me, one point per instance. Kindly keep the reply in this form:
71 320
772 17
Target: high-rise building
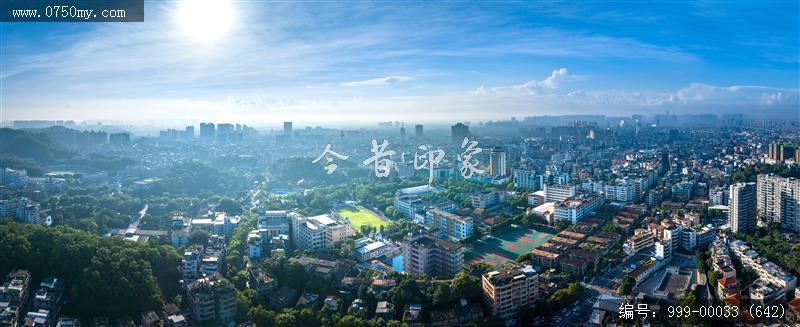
742 205
208 131
119 139
225 132
778 200
528 179
497 162
427 255
507 291
418 130
781 152
287 128
189 132
459 132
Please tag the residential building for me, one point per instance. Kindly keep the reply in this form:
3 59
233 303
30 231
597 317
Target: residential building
15 289
287 128
459 132
486 199
255 244
192 257
641 240
14 178
766 270
426 255
48 296
212 297
498 162
742 205
260 281
526 178
622 191
38 318
507 291
778 200
283 298
384 310
719 196
319 267
454 226
683 191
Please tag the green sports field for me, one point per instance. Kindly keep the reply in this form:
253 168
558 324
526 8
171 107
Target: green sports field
506 246
359 217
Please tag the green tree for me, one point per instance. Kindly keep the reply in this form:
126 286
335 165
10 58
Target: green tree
626 286
463 286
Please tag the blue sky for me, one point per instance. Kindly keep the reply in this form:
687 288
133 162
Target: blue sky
351 62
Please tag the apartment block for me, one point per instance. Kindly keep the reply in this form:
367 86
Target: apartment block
507 291
427 255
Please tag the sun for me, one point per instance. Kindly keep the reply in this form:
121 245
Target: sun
205 21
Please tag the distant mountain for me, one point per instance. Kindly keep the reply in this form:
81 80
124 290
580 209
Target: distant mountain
37 146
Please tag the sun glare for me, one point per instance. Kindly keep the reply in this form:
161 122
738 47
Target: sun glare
205 21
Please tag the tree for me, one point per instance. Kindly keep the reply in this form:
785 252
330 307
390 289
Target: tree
261 316
482 267
463 286
199 236
285 319
229 206
441 296
347 247
626 286
561 224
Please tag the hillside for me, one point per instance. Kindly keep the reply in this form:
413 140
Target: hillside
37 146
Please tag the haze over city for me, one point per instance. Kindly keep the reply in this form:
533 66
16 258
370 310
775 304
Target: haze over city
353 62
257 163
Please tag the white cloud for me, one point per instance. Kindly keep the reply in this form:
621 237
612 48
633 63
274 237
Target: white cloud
554 93
746 94
532 87
378 81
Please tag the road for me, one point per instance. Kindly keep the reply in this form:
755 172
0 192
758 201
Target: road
580 316
135 223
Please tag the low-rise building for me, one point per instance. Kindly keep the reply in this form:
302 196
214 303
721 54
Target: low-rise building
384 310
16 287
367 249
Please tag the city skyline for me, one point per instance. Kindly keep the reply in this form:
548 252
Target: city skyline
337 63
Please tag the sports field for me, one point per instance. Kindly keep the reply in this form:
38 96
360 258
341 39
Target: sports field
506 246
360 216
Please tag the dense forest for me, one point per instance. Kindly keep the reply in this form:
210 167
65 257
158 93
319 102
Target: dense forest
35 146
105 276
750 173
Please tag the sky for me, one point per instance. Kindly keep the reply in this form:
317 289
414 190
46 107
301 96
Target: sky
411 61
